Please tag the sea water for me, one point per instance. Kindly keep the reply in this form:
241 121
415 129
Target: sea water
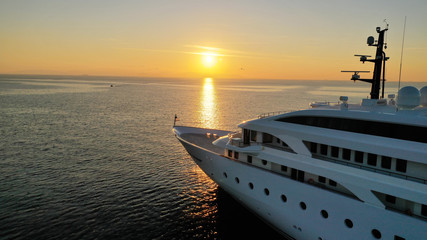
95 158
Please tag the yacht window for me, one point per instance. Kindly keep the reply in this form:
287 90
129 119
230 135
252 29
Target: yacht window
313 147
284 198
236 155
230 153
294 174
334 151
401 165
359 157
301 175
302 205
323 149
284 168
385 162
267 138
346 154
348 223
382 129
246 136
372 159
322 179
376 233
390 198
249 159
424 210
264 162
332 183
284 144
253 136
278 140
324 213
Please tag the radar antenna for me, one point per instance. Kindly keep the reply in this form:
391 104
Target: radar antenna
379 61
356 75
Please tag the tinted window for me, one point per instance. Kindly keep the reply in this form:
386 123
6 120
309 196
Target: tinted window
372 159
323 149
424 210
390 198
401 165
391 130
294 173
313 147
334 151
267 138
253 135
386 162
359 157
346 154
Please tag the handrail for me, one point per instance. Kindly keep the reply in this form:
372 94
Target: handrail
270 114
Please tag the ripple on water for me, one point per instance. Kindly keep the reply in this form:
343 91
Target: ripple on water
79 160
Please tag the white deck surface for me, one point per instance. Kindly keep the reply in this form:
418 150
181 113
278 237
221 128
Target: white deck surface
203 141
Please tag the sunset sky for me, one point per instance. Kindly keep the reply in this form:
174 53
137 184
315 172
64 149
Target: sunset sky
304 39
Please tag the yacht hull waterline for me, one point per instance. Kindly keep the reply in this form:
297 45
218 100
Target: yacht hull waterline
334 171
287 215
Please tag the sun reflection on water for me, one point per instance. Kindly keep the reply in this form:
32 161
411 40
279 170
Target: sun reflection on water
208 104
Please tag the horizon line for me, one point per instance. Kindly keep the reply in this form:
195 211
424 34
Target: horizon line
42 76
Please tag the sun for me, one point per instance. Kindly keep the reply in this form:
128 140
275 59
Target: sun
209 59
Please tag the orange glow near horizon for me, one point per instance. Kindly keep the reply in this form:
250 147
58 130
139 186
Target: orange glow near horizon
300 40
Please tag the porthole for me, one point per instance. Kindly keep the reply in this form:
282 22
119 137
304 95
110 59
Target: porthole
264 162
251 185
324 213
376 233
225 175
348 223
284 198
302 205
266 191
237 180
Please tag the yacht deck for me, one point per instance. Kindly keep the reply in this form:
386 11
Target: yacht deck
202 140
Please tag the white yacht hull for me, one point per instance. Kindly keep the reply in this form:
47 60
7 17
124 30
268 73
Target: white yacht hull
288 217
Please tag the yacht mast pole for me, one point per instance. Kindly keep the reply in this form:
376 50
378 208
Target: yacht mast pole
379 58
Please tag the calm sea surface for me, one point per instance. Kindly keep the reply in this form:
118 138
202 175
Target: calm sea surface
80 159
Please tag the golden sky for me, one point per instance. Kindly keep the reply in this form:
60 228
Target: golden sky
307 39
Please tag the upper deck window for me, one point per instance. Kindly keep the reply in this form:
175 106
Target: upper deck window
253 136
382 129
267 138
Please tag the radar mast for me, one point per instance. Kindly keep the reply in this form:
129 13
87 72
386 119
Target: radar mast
379 61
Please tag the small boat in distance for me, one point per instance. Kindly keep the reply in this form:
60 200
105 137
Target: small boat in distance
334 171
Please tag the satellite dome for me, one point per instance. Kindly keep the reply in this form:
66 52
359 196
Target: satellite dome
408 97
423 92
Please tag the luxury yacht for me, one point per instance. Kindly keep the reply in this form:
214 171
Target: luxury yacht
333 171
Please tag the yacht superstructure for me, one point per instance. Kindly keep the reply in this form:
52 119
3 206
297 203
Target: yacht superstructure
334 171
